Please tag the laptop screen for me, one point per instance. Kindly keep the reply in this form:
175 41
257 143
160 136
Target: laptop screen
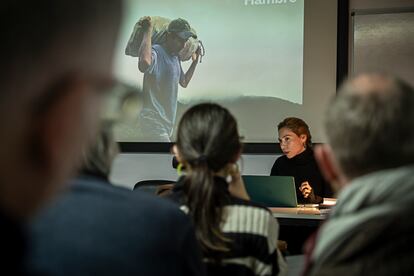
271 191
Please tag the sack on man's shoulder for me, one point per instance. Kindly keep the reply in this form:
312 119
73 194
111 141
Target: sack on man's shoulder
160 26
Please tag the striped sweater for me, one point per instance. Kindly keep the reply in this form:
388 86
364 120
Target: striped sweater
253 231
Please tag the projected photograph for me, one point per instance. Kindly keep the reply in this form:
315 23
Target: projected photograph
244 55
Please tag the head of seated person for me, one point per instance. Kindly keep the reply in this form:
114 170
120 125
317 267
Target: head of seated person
369 127
97 159
294 136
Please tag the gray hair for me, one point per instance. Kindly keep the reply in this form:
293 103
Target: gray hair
98 158
370 124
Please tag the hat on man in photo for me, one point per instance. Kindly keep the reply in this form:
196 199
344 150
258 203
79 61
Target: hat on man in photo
181 27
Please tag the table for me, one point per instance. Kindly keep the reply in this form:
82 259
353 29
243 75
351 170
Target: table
297 224
307 216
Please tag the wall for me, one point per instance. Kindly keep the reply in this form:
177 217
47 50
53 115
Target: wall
370 5
379 4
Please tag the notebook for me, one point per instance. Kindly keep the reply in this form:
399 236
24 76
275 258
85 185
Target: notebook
271 191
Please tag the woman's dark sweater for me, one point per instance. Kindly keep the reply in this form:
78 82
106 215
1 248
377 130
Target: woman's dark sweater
303 168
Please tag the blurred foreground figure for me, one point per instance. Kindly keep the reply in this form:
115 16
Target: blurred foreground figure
370 158
56 58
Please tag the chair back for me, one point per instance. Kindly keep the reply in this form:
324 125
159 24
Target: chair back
158 187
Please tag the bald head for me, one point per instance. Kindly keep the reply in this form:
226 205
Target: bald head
372 83
370 124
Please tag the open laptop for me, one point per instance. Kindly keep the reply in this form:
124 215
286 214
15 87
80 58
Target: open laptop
271 191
